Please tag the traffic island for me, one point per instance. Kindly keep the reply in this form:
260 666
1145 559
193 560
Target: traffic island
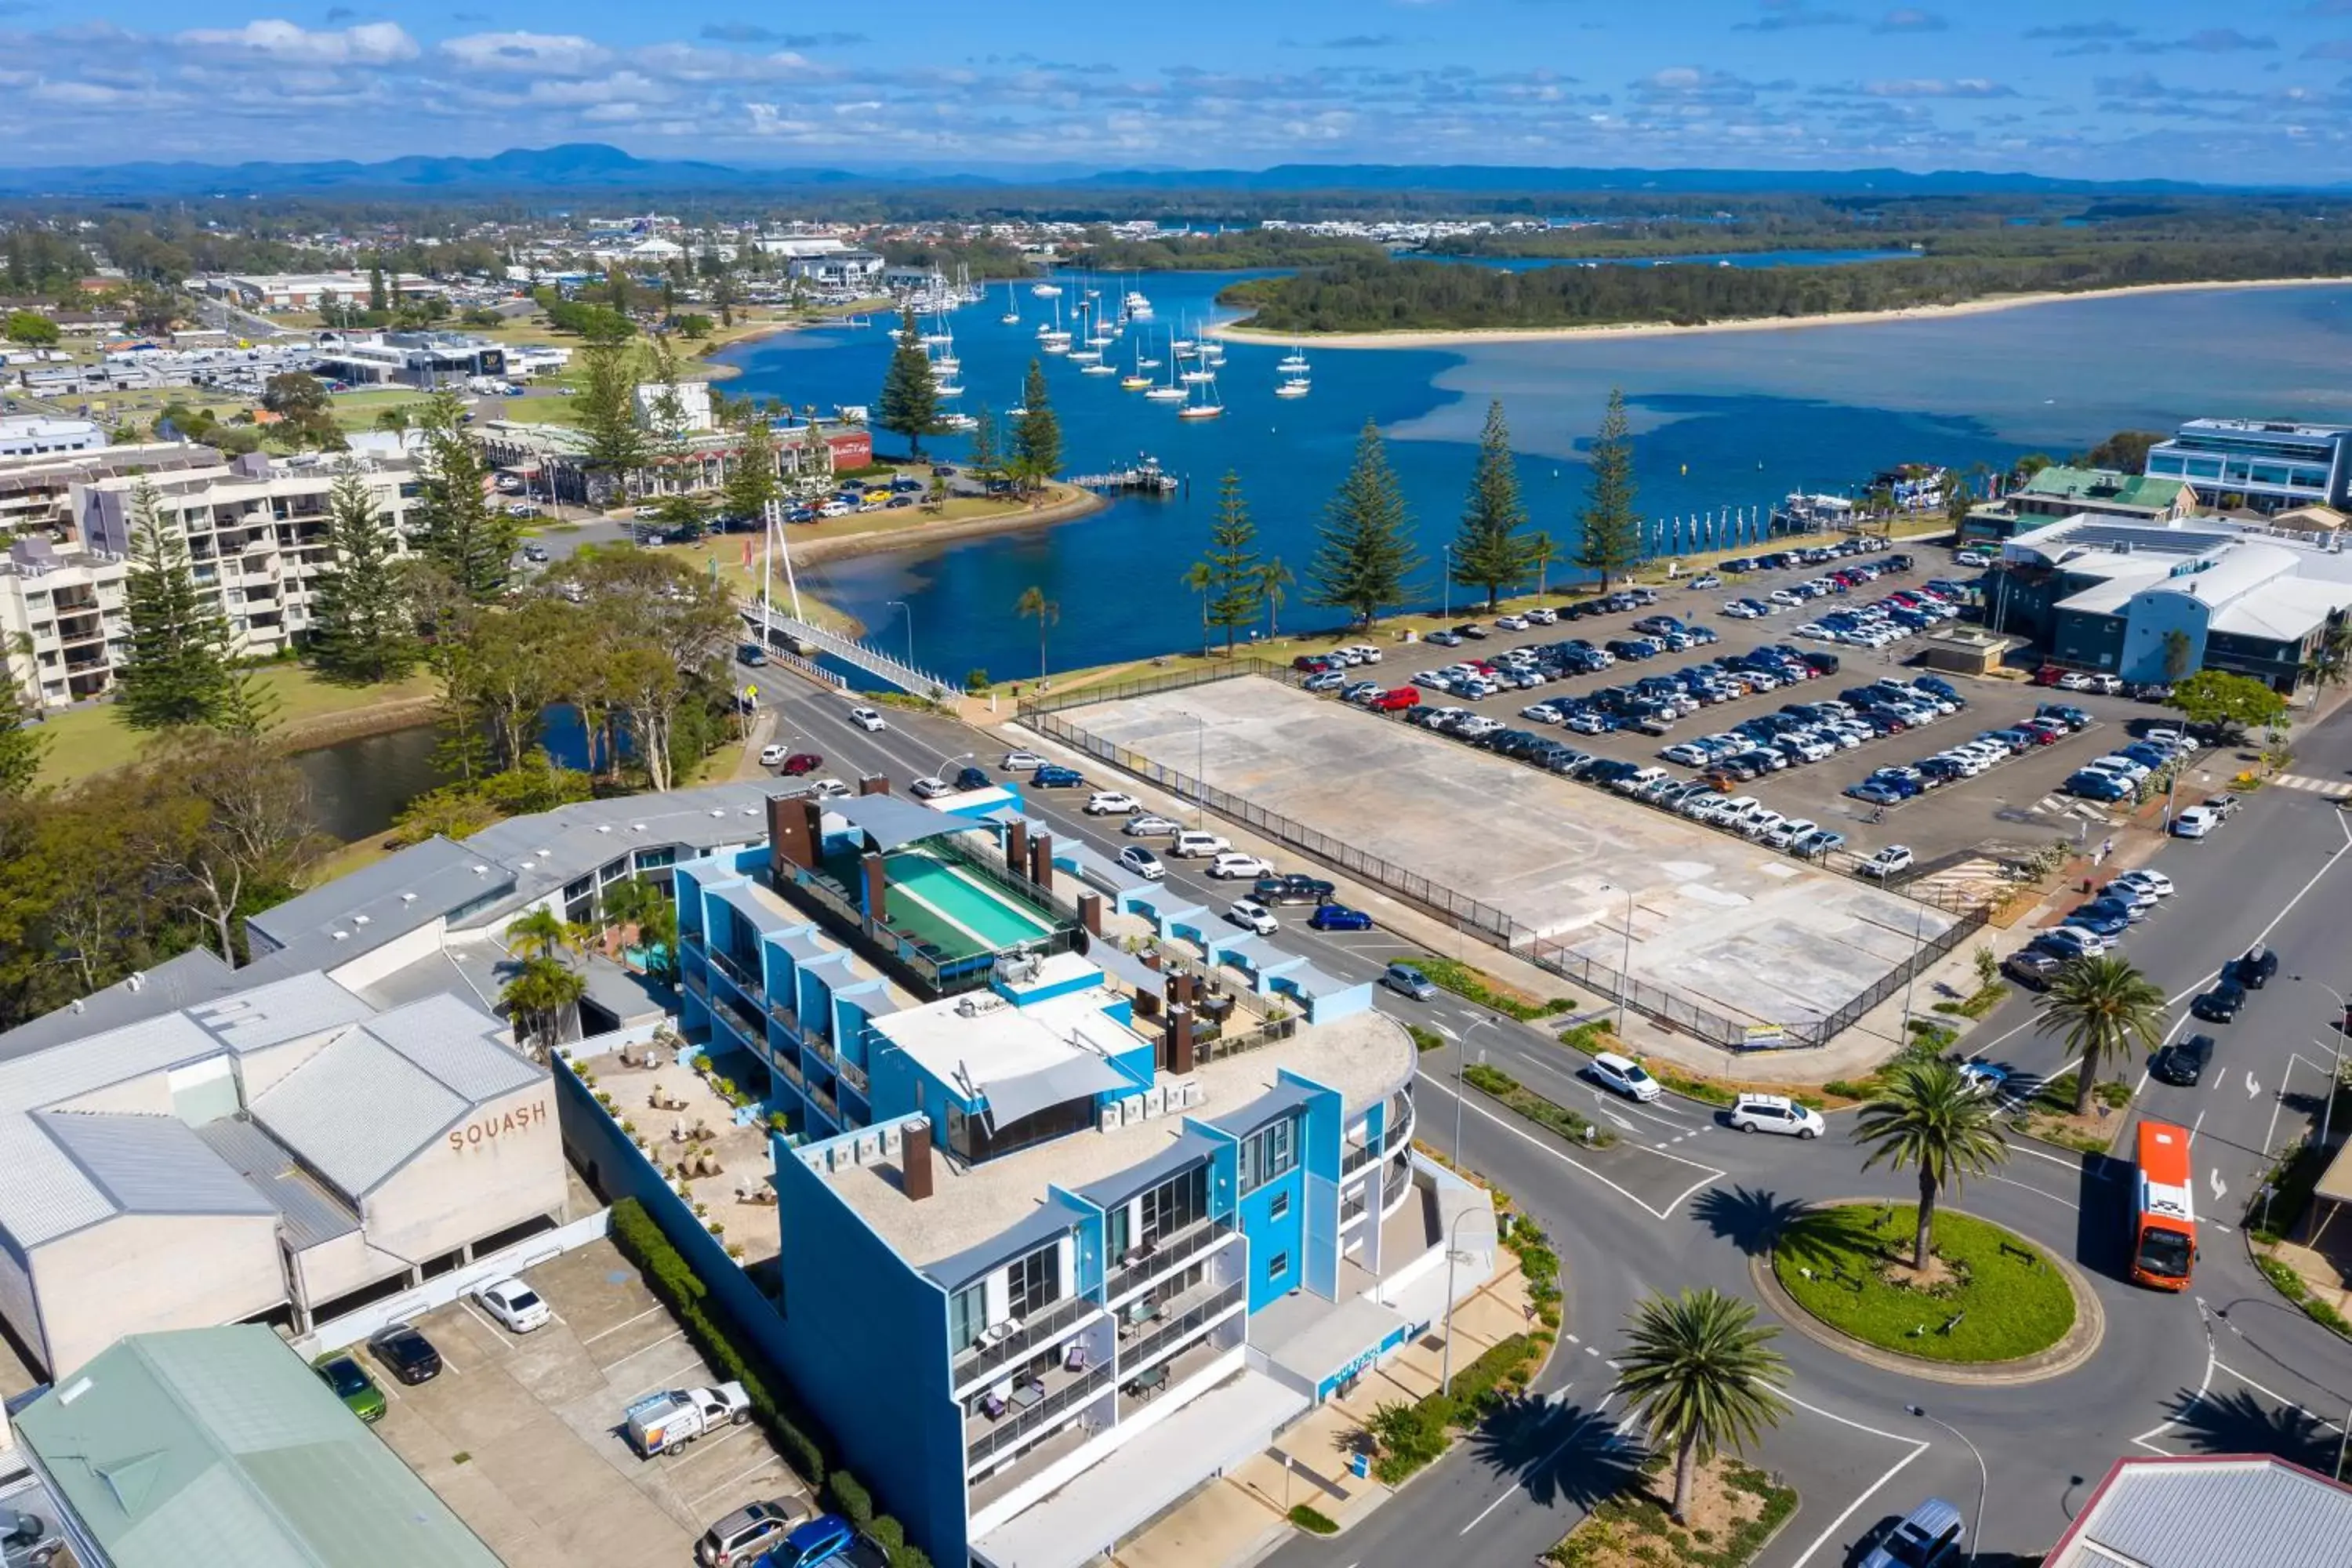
1991 1307
1735 1511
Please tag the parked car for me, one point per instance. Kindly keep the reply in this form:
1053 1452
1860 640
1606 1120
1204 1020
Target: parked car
1150 826
515 1304
1338 917
820 1541
407 1354
1053 775
1233 865
751 654
1253 915
352 1386
1927 1537
2183 1062
929 788
1405 979
1292 888
1021 762
1623 1076
971 778
1890 861
29 1541
1112 803
1776 1113
2195 823
673 1418
799 763
773 756
1191 843
1135 858
866 719
738 1540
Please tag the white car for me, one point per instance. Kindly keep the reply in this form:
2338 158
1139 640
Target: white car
1191 843
1142 862
1761 823
1112 803
1233 865
773 756
1894 858
1510 623
2195 823
515 1304
1776 1113
1984 1078
931 789
1788 832
2156 882
1251 915
1365 652
1623 1076
829 789
1705 581
866 719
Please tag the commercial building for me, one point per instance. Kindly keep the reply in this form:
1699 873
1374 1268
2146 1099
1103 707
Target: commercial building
40 436
312 290
2263 464
2059 491
424 360
555 458
1064 1229
2209 1510
2152 602
218 1445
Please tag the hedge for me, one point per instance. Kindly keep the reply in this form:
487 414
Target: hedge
1479 986
642 1241
1412 1436
1494 1081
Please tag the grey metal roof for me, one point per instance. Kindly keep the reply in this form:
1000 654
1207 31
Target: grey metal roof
280 1011
357 1112
890 823
151 1164
1248 1118
195 975
1186 1152
578 839
308 1214
2221 1512
378 903
457 1044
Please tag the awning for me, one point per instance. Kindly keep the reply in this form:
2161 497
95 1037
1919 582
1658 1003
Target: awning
1345 1337
1082 1074
890 823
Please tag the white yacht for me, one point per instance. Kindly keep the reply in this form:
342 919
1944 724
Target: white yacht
1138 309
1203 402
1294 363
1012 317
1046 291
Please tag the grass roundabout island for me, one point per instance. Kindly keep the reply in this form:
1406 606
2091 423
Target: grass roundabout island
1989 1295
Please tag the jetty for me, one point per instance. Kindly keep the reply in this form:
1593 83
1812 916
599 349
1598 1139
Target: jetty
1146 477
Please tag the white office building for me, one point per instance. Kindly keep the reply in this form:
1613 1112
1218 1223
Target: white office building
40 436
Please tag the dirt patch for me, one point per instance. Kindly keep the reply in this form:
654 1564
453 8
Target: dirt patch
1083 503
1937 1275
1734 1509
380 719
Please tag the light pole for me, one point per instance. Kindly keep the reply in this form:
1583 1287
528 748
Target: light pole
2328 1106
1911 981
1460 1042
1453 1255
1200 766
1976 1531
911 627
1446 581
1626 965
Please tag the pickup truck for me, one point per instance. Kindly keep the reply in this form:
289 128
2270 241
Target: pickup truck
661 1421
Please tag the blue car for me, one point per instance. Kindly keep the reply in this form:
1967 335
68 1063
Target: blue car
821 1539
2099 923
1338 917
1054 777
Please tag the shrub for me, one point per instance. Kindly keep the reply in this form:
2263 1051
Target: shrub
1425 1039
1592 1038
850 1498
1479 986
1311 1522
975 682
1494 1081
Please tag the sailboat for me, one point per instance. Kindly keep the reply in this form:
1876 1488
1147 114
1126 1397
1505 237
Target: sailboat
1294 381
1294 363
1170 392
1053 339
1135 380
1044 289
1203 402
1012 317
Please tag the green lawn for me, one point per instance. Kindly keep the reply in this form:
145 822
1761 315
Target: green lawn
2012 1299
93 740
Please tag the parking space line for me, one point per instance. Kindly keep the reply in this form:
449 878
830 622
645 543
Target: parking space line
488 1327
766 1462
673 1334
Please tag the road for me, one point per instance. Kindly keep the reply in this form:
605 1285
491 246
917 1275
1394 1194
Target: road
1682 1201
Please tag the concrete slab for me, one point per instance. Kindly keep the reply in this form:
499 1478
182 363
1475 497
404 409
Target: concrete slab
1736 928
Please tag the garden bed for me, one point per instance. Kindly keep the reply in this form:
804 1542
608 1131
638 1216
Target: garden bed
1477 985
1994 1296
1735 1509
1501 1087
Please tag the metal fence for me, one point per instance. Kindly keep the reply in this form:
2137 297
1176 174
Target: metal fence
1653 1002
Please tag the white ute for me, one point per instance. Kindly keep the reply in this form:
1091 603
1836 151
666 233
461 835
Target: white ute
660 1422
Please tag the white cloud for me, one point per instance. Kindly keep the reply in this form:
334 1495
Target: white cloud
565 54
369 44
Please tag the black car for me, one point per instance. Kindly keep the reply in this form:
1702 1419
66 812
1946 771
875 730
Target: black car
974 778
2256 969
2183 1062
407 1354
2221 1005
1292 888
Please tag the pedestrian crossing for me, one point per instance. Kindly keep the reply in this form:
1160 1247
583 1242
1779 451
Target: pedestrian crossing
1975 878
2335 789
2070 805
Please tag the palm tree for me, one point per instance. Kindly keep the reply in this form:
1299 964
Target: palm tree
543 930
1931 1118
1701 1377
2101 1008
1049 611
1199 577
540 991
639 903
1273 578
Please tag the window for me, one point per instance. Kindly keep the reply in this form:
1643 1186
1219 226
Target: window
1268 1154
1277 1266
1174 1205
966 1316
971 1139
1280 1208
1034 1283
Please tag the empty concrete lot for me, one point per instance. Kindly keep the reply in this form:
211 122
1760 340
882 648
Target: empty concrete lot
521 1434
1738 928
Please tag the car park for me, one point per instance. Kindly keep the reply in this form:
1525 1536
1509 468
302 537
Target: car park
1775 1113
407 1354
2183 1062
1253 915
516 1306
1112 803
1623 1075
1338 917
1408 981
1233 865
1135 858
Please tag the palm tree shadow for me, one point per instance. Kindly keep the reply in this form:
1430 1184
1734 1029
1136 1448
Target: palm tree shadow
2242 1423
1747 1217
1558 1451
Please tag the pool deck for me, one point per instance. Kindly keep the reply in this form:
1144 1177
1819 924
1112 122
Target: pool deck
917 908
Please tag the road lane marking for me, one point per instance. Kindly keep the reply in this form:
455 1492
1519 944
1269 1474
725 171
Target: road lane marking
2030 1187
1667 1213
1855 1506
2211 1360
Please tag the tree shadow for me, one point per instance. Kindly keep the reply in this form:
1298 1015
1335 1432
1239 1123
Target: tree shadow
1559 1451
1747 1217
2244 1422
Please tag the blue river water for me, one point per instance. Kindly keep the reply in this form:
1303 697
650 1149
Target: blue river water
1707 259
1722 420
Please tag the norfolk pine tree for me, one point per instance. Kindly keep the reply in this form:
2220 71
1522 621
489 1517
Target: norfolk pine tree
462 531
1230 579
1037 434
361 629
606 407
176 671
1490 551
1612 542
909 403
1366 549
753 485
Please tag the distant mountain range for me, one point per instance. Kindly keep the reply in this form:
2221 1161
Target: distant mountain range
592 168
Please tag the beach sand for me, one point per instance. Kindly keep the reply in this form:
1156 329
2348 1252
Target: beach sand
1457 339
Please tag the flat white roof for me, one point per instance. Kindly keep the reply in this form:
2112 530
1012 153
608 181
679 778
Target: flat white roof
997 1040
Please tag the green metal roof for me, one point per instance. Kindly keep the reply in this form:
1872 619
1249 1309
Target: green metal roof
220 1446
2107 485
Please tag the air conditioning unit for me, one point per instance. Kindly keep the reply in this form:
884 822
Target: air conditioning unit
1155 1100
1110 1122
869 1147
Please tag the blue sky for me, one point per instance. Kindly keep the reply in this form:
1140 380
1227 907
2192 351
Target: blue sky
2249 93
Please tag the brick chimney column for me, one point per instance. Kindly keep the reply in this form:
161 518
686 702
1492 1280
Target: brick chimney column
878 888
1016 848
1090 912
1179 1041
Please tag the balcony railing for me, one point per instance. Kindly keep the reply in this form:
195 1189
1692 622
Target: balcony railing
1141 1348
977 1363
785 1015
696 982
822 1048
851 1074
788 1068
1264 1034
746 979
1357 1158
1167 1253
1010 1432
749 1024
822 1097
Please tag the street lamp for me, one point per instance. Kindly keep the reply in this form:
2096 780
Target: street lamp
1445 582
2327 1105
1200 766
1910 981
1625 966
1453 1255
911 625
1460 1041
1976 1531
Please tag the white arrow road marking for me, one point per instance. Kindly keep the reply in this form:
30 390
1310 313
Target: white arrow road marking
2253 1089
2220 1187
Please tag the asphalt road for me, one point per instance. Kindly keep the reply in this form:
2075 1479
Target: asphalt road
1682 1201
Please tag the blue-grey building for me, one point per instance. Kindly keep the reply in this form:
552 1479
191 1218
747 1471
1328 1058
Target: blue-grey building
2273 464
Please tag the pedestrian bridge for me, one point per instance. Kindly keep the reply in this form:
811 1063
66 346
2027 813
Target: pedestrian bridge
783 628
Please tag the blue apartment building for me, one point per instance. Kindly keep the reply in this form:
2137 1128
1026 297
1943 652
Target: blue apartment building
1069 1224
2276 465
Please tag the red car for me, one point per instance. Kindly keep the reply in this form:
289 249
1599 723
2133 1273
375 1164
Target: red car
801 762
1395 701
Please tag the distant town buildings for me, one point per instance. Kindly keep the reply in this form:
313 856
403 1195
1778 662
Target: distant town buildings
422 360
313 291
40 435
2062 491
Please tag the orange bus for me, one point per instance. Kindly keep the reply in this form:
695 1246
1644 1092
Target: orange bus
2164 1209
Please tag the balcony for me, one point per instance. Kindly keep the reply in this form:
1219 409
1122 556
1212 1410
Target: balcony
1167 1254
1358 1157
745 1022
851 1074
787 1064
1081 1390
822 1097
746 978
822 1048
1194 1310
977 1365
786 1017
